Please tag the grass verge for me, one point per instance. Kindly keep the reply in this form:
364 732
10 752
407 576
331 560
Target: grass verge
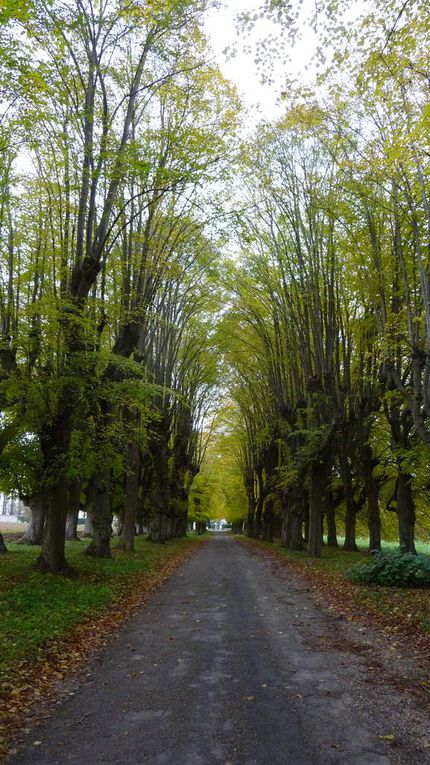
50 625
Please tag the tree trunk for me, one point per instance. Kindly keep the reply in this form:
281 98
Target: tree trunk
159 448
73 511
52 558
250 520
306 525
201 527
3 548
34 532
132 462
316 499
350 523
331 525
101 516
55 444
406 513
267 526
286 528
372 496
88 527
373 514
296 531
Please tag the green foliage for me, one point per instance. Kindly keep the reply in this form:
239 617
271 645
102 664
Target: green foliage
396 569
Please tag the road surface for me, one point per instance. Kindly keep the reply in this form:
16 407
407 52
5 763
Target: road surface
221 667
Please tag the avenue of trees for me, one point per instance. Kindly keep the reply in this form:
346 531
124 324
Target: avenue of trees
126 321
328 334
114 137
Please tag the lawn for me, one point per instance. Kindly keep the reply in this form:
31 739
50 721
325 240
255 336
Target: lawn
36 608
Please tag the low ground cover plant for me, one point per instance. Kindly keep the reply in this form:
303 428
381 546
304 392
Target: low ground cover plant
393 569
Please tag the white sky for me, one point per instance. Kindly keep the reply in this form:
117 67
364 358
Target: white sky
242 70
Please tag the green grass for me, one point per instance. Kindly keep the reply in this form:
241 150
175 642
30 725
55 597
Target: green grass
363 543
35 608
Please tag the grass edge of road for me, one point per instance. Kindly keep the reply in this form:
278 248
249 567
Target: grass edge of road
76 618
401 613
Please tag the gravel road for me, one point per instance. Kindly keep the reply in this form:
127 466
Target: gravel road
223 666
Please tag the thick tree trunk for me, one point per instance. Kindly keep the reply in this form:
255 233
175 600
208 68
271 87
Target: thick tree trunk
373 514
201 527
88 527
306 525
182 523
296 531
3 548
350 524
372 498
128 532
257 518
55 444
406 513
73 511
267 524
52 558
250 520
156 528
34 532
161 485
318 485
286 528
101 517
331 525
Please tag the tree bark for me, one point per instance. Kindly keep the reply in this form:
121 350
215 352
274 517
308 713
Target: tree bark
331 525
350 525
132 462
267 525
296 531
55 445
88 527
34 532
73 511
52 558
101 516
373 514
406 513
161 496
286 528
318 474
3 548
259 504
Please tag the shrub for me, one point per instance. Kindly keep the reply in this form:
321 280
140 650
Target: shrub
397 569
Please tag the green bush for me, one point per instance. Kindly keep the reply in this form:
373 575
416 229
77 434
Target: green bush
397 569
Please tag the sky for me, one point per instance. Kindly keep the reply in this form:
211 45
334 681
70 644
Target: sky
262 100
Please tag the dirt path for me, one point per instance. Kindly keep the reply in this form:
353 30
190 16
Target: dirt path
231 663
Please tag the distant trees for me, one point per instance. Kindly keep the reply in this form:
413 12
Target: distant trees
332 297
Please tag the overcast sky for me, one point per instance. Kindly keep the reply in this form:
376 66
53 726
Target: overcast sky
261 99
